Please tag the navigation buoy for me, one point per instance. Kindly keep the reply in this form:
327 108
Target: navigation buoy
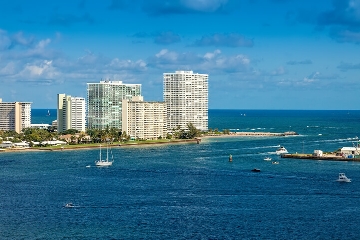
230 158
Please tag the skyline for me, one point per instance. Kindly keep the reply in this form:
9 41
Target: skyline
270 54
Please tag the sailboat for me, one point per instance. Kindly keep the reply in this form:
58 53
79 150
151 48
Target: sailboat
104 162
48 113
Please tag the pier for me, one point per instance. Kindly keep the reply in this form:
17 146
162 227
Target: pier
329 157
250 134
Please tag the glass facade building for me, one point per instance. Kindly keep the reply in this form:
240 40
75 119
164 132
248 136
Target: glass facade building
104 103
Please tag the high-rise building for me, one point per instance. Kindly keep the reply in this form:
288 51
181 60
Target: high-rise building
104 103
71 113
144 120
15 116
186 96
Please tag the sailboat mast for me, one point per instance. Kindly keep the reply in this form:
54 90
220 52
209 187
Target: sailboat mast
100 152
107 153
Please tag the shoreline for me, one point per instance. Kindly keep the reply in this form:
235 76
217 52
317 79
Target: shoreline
79 147
144 143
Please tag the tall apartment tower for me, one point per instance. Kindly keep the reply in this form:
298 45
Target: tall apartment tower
71 113
144 120
15 116
186 96
104 103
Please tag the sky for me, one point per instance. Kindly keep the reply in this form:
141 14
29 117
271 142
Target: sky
259 54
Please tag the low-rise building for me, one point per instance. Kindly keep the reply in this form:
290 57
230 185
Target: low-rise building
350 151
40 125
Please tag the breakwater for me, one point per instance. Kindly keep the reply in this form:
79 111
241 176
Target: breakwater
264 134
330 157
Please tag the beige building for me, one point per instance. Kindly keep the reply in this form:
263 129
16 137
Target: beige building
144 120
15 116
71 113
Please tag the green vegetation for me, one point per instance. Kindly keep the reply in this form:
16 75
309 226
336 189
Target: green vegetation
35 136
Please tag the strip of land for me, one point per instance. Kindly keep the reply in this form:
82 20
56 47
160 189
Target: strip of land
96 145
148 142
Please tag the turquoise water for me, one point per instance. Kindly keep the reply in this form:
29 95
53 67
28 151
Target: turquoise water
192 191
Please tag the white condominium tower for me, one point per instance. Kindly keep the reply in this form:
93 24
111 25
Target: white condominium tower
186 96
144 120
104 103
15 116
71 113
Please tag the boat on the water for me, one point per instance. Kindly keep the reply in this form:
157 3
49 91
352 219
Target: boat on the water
275 162
267 159
104 162
255 170
69 205
281 150
343 178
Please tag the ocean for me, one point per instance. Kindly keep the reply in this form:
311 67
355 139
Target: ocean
191 191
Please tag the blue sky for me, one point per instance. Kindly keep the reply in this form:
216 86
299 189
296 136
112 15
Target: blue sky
259 54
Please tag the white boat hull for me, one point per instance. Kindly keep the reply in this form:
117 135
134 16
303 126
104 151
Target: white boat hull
103 163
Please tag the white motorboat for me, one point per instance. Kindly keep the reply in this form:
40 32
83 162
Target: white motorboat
69 205
281 150
267 159
104 162
343 178
275 162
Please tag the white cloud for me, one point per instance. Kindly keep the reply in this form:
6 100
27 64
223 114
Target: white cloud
9 69
204 5
212 55
38 71
43 43
279 71
127 64
5 41
211 62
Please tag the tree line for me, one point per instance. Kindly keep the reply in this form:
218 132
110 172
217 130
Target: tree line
95 135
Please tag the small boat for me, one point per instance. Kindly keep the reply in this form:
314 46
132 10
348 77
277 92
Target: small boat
281 150
69 205
104 162
267 159
275 162
343 178
255 170
48 113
